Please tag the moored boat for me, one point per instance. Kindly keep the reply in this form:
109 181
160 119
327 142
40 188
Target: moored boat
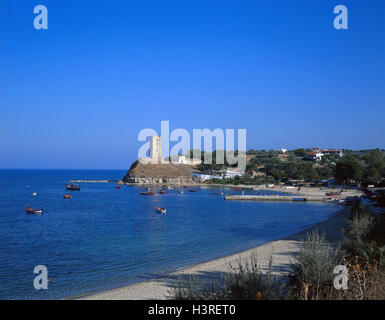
161 210
147 193
193 190
28 209
73 187
162 192
67 196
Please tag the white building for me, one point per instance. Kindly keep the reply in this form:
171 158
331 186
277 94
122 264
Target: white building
230 173
314 155
204 177
332 151
181 159
317 154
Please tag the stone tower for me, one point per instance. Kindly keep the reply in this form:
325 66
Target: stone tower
156 149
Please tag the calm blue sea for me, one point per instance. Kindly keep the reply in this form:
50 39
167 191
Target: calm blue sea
105 237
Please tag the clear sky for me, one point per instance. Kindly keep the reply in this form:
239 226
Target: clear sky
77 95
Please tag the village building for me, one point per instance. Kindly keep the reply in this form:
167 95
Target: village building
316 154
182 159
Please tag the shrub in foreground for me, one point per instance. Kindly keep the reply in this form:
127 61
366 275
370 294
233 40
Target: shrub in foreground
312 271
244 281
248 282
365 236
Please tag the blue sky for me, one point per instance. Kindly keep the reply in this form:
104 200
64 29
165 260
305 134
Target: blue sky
77 95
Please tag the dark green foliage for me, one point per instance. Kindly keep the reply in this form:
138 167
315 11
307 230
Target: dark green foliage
299 152
247 282
367 166
293 170
348 168
365 236
375 160
243 282
195 289
314 265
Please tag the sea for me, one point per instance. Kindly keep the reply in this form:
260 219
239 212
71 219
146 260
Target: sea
104 237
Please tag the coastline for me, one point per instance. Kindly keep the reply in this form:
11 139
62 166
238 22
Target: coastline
276 188
282 252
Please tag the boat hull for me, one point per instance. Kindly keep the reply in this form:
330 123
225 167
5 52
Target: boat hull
73 189
32 211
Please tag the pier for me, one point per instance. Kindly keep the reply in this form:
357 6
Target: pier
276 198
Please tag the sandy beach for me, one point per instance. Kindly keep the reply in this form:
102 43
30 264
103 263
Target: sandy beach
282 253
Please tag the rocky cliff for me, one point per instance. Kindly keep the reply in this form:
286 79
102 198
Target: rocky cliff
160 174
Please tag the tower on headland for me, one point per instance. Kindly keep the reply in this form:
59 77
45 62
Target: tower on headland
156 149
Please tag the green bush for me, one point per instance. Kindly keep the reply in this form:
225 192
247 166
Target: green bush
248 282
364 236
195 289
361 223
245 281
312 270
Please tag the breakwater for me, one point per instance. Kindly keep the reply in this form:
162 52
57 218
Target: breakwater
275 198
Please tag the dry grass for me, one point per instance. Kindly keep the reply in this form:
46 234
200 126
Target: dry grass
139 170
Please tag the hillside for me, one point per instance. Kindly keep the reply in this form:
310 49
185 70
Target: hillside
160 173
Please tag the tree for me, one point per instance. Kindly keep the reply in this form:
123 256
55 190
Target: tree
300 152
348 168
375 164
326 172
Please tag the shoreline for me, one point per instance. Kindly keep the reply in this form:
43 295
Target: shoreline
282 252
276 188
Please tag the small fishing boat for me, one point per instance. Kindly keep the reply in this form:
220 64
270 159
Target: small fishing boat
162 192
193 190
118 186
73 187
28 209
181 191
67 196
236 188
161 210
147 193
